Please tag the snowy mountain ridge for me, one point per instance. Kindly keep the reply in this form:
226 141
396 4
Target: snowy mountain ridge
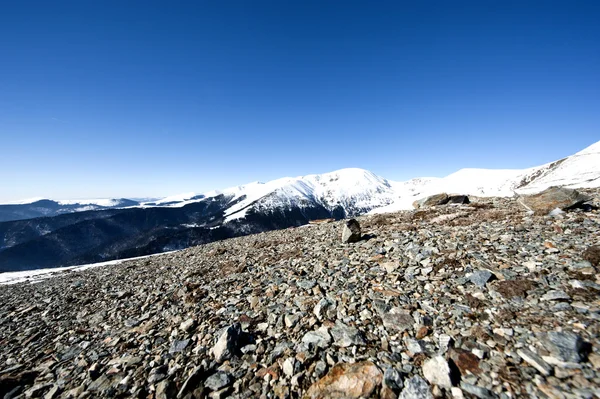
355 191
66 236
580 170
359 191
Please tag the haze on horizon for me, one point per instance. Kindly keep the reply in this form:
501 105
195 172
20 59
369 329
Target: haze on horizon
149 99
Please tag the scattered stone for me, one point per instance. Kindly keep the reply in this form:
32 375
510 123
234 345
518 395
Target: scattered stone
351 232
306 284
358 380
291 320
220 394
279 349
288 366
165 390
191 382
101 384
53 392
457 393
405 300
390 267
36 390
325 308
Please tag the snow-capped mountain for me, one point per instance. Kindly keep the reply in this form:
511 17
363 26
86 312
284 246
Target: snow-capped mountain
350 191
579 170
116 229
576 171
356 191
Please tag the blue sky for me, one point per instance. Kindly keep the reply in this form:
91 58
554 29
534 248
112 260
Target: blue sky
147 98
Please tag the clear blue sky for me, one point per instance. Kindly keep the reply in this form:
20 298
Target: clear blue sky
147 98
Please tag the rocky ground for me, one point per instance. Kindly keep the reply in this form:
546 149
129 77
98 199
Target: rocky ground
480 300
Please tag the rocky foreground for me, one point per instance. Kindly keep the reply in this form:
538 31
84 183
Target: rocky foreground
480 300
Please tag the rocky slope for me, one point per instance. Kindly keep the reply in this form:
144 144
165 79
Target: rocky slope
481 300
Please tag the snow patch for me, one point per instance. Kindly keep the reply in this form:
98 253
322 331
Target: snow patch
36 276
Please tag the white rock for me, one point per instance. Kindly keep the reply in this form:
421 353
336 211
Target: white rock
288 366
437 372
187 325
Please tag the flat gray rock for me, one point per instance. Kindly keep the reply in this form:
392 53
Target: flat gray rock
416 388
345 336
217 381
319 338
481 277
566 346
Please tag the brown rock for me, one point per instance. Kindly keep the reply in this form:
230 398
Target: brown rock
552 198
423 332
465 361
345 380
592 255
432 200
387 393
512 288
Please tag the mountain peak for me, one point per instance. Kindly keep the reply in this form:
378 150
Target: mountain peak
592 149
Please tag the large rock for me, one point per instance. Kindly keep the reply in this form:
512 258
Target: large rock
437 371
592 255
432 200
458 199
228 343
351 231
552 198
566 346
358 380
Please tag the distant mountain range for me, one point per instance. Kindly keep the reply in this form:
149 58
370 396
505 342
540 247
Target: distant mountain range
45 207
46 233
